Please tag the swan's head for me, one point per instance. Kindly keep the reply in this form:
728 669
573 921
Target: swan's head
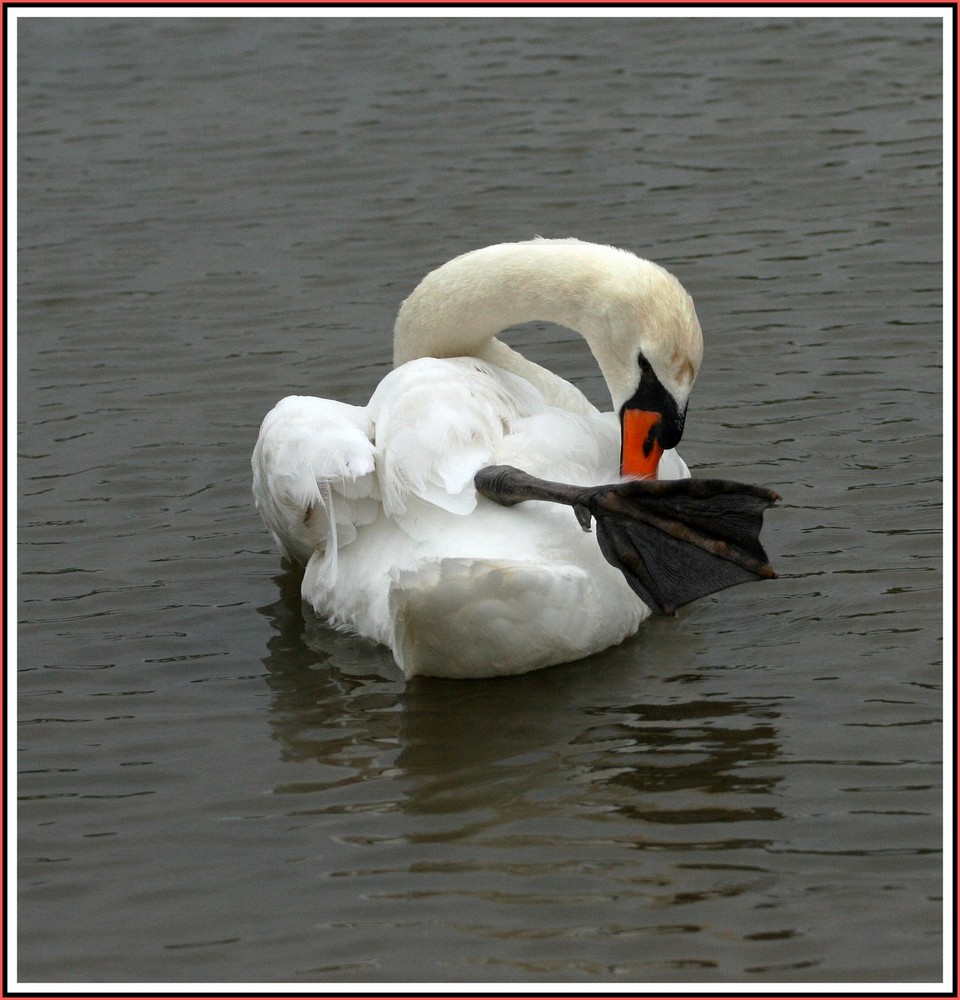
647 340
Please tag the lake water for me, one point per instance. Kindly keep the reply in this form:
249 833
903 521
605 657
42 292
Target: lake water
216 788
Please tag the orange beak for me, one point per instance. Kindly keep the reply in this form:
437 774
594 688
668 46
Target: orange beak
640 450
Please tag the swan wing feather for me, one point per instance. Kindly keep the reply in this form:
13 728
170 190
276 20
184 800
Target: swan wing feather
314 475
437 420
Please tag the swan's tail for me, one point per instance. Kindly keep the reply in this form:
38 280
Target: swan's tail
480 618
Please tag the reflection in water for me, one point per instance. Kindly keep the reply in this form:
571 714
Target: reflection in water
320 711
599 805
700 747
570 733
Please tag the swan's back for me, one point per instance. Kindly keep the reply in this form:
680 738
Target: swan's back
385 515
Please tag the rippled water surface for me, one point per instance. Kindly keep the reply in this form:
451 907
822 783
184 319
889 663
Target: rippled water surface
214 213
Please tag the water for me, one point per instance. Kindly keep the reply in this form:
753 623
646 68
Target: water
214 213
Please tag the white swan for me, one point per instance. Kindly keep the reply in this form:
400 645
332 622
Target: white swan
379 501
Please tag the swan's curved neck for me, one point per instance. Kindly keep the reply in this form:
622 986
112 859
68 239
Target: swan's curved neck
621 305
458 309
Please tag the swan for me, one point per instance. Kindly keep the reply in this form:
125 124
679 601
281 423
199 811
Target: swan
406 513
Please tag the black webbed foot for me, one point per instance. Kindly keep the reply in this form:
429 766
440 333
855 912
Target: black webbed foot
678 540
674 540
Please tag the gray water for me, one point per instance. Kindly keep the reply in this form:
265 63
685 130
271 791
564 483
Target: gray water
214 787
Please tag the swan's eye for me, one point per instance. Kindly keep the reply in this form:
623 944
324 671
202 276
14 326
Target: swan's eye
645 367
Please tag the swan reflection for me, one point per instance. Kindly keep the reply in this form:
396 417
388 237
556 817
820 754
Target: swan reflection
599 741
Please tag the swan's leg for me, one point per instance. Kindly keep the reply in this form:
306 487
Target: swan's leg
673 540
